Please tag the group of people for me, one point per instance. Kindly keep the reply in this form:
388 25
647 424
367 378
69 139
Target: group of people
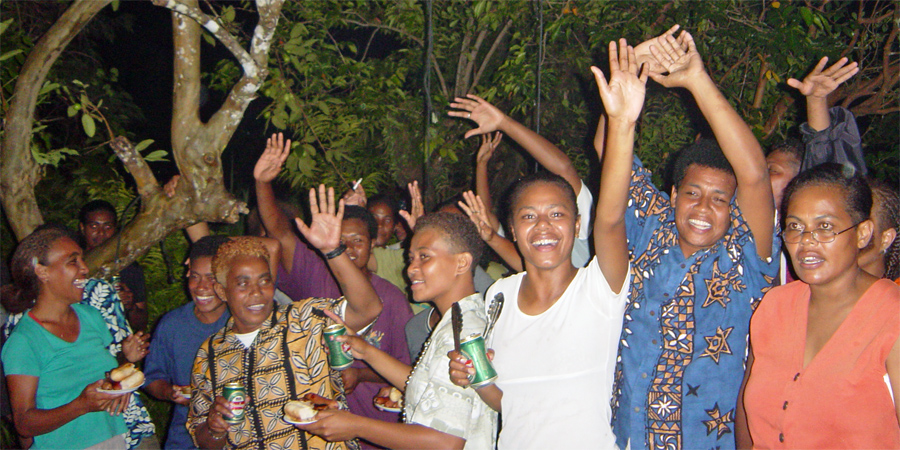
651 323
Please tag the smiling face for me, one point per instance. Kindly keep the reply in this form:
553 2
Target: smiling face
783 167
823 207
433 266
98 227
355 235
702 207
201 284
384 217
248 291
544 225
65 274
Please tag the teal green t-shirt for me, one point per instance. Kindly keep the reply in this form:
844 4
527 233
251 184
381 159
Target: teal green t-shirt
64 369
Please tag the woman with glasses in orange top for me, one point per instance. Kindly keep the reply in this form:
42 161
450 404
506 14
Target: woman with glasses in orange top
824 350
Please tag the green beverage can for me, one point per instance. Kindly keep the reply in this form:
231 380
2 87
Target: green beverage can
236 396
473 348
339 356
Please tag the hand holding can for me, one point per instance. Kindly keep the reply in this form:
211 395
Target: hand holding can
473 348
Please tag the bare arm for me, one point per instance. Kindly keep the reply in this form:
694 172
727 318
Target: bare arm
490 119
394 371
478 213
31 421
277 225
485 151
165 391
623 98
893 370
337 425
818 84
741 429
324 233
754 191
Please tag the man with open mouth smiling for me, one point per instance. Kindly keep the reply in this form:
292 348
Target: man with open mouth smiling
180 332
701 260
275 353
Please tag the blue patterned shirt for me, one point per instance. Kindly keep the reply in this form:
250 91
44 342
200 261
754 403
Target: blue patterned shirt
684 337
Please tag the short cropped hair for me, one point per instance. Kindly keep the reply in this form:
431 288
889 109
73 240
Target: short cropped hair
457 230
857 194
705 153
791 147
387 200
96 205
207 246
235 248
539 177
363 214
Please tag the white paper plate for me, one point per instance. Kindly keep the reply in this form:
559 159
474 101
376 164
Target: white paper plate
120 391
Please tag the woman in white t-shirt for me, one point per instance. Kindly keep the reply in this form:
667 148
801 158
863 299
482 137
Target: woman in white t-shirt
555 341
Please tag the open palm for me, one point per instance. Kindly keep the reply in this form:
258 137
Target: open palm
821 82
623 95
269 164
324 230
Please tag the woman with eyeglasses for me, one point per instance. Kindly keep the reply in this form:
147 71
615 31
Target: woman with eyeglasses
824 351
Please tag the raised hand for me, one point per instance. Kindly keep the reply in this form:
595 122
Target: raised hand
623 95
416 209
478 214
324 231
819 83
136 346
270 162
678 57
644 55
356 196
475 108
488 145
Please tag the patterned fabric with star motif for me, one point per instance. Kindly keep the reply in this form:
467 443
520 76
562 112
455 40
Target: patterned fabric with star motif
285 361
683 341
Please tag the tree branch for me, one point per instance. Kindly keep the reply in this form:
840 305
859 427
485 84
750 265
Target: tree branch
18 171
470 63
490 54
136 166
214 27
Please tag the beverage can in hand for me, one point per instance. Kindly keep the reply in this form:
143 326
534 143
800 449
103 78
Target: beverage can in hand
473 347
339 356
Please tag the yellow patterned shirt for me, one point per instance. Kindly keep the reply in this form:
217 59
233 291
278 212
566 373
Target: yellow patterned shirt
285 361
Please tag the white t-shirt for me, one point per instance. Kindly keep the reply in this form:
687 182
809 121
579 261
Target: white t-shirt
556 369
581 250
432 400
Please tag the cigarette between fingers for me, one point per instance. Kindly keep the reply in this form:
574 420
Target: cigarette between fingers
356 184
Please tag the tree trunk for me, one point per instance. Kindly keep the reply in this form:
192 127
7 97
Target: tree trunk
19 173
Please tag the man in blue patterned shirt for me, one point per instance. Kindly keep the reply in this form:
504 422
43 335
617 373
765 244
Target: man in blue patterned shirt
701 260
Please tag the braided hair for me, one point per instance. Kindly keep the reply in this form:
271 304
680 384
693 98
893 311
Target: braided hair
886 213
21 294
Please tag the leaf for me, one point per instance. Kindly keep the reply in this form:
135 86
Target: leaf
5 24
89 126
209 39
73 109
807 16
10 54
143 144
156 155
115 5
228 14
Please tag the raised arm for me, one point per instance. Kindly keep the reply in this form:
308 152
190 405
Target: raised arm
623 97
482 184
478 213
277 225
754 191
818 84
324 233
830 135
490 119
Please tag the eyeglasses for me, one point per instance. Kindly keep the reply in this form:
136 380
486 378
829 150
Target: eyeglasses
793 236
